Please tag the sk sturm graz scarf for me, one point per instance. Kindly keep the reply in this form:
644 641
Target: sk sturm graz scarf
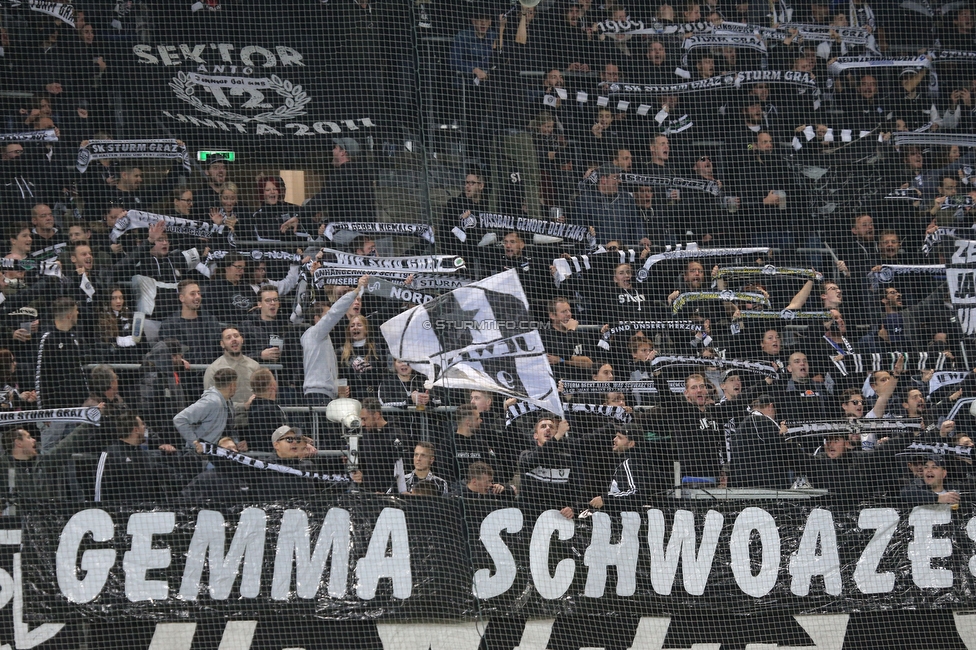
137 219
674 183
47 135
490 221
421 230
802 79
386 289
83 415
131 149
427 263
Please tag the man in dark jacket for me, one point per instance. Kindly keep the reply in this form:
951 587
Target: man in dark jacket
61 379
128 472
162 389
348 192
932 487
761 457
549 471
270 338
264 414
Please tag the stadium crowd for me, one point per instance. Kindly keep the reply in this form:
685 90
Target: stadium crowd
797 280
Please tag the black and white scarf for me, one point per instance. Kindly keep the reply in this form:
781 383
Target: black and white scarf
946 378
844 63
400 293
257 255
618 413
725 295
927 139
673 183
131 149
768 270
786 314
738 41
576 387
422 230
134 219
904 194
348 278
63 12
83 415
422 263
491 221
647 326
934 239
943 448
757 367
213 450
803 79
47 135
679 253
861 364
888 272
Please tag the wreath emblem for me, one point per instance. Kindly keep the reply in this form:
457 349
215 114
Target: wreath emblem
295 100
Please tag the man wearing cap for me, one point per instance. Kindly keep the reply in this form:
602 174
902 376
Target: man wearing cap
612 212
931 487
628 486
348 191
208 196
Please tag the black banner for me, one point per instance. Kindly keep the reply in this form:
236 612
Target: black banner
363 557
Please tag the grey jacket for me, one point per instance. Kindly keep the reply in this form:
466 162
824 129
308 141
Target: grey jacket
321 368
205 419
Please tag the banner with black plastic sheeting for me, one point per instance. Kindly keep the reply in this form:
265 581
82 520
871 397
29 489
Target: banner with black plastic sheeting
396 562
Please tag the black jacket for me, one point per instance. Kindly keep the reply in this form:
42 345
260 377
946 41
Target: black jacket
61 380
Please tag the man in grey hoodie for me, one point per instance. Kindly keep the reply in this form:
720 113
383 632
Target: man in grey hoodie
321 368
207 418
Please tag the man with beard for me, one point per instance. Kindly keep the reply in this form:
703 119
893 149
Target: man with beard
208 196
857 255
563 343
629 485
232 343
229 297
472 200
348 194
195 329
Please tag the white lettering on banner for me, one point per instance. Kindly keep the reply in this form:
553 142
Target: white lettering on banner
247 546
553 586
755 519
390 530
141 555
925 547
866 577
681 545
95 564
816 554
806 562
487 585
623 555
293 550
431 636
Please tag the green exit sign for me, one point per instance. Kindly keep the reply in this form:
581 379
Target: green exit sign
209 156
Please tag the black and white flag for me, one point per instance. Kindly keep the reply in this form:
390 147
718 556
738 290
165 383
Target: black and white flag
478 337
961 276
130 150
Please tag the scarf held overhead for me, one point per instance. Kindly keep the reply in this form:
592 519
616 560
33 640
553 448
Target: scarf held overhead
490 221
422 230
130 150
134 219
